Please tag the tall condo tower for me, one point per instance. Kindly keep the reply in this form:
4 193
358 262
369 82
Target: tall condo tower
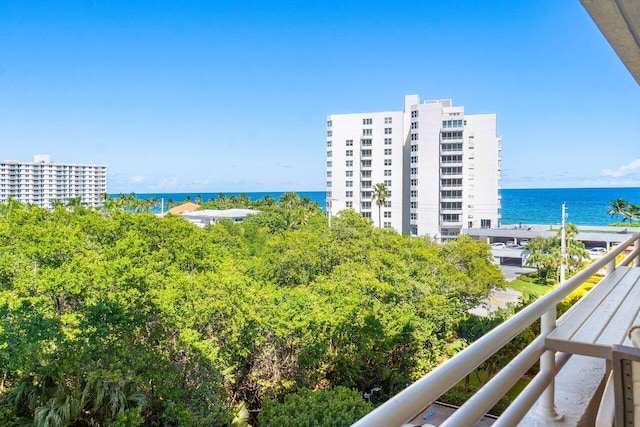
441 167
41 182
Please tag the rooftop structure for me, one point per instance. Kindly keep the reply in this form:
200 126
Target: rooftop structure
41 182
440 166
211 216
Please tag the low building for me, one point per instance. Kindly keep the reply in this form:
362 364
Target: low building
211 216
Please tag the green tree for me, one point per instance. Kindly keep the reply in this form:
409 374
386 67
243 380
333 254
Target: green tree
379 194
334 407
618 208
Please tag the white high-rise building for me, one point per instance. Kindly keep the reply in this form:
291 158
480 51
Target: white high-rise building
441 167
41 182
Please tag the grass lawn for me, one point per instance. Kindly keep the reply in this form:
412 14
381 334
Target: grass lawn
536 288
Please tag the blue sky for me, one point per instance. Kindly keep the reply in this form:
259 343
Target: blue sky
233 96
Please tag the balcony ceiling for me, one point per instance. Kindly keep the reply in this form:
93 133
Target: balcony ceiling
619 21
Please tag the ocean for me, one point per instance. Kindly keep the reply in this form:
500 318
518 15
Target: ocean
585 206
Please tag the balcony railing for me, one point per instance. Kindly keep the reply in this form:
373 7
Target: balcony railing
411 401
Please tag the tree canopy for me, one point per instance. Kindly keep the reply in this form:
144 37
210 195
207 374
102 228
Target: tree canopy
111 317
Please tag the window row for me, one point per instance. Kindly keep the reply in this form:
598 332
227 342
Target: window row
451 135
452 123
451 147
451 182
451 205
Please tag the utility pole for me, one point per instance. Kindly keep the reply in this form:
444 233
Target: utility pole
563 246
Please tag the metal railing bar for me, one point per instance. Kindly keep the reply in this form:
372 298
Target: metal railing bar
631 257
528 397
484 399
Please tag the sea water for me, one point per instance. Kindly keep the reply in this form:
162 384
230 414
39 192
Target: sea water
585 206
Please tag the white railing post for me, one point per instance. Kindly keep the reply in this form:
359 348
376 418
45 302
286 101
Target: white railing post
547 405
611 266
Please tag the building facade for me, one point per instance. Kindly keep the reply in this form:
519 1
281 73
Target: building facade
441 167
41 182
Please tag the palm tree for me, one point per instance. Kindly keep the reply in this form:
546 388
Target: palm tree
619 207
379 194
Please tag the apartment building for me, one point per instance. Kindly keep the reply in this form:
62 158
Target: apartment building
440 165
41 182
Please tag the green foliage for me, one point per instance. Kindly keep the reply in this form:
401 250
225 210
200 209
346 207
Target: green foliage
339 406
123 318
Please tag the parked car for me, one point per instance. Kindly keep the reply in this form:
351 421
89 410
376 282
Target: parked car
498 245
514 246
597 251
524 242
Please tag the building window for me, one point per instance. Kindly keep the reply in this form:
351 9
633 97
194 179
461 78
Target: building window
452 147
348 183
414 182
366 163
387 172
451 159
348 193
387 214
328 184
387 182
329 123
366 174
387 162
387 224
329 143
387 141
387 151
451 194
413 216
485 223
365 184
329 133
365 194
414 148
414 125
451 135
349 204
414 171
329 153
450 217
349 173
387 120
366 142
366 121
367 132
451 205
349 142
414 114
451 182
366 205
387 203
349 153
451 171
328 174
452 123
329 163
349 163
365 153
414 205
387 131
366 214
414 159
414 193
